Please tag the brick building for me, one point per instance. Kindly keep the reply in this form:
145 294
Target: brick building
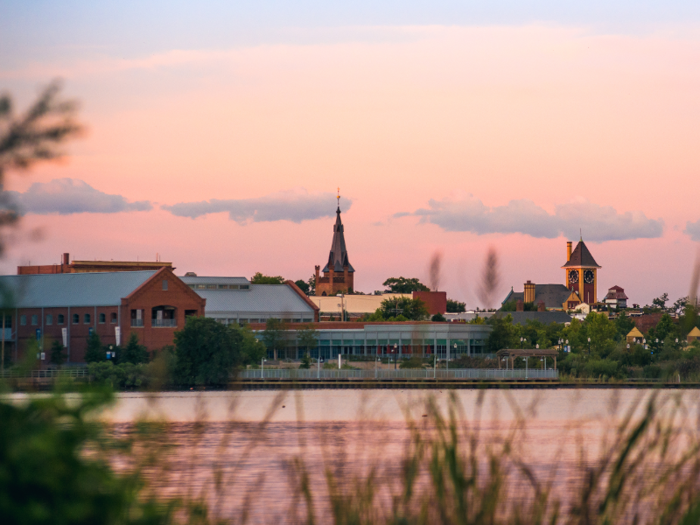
338 274
92 266
68 307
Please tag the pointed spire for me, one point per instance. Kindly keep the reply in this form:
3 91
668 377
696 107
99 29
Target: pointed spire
338 256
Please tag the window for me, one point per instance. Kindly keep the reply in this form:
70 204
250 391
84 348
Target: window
244 287
86 319
193 286
35 320
201 286
233 286
102 318
223 287
211 287
61 319
49 319
165 284
113 318
23 320
76 318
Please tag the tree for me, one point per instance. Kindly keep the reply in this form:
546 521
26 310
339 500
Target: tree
57 357
601 332
95 352
273 336
679 306
410 309
502 333
660 302
307 338
133 352
624 324
208 352
305 361
303 286
404 285
259 278
456 306
438 318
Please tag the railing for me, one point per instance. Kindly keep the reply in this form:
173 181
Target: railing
164 323
467 373
66 372
137 323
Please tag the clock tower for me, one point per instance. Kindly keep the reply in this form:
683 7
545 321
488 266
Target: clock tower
581 272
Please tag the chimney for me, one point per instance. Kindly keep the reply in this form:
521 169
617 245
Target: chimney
568 251
66 258
529 292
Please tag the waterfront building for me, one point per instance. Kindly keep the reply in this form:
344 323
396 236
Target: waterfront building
349 307
400 340
581 273
68 307
66 266
616 297
237 300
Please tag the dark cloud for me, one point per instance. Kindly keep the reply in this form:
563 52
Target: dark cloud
693 229
68 196
295 206
598 223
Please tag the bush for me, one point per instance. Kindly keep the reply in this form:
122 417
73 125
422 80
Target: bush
123 376
602 367
413 362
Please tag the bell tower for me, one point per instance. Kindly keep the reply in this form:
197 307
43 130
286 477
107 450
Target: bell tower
581 272
338 274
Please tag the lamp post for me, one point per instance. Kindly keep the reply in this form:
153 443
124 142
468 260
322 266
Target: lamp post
522 340
395 354
262 368
376 361
589 346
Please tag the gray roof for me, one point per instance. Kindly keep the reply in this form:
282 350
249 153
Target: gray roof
260 299
553 295
214 280
71 289
542 317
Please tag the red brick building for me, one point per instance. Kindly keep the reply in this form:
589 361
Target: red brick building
338 274
92 266
68 307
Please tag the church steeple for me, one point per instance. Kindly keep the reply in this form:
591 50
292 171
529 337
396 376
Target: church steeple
338 274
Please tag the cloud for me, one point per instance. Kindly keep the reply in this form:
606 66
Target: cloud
68 196
294 205
598 223
693 229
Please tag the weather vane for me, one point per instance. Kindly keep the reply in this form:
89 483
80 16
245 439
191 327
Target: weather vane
338 197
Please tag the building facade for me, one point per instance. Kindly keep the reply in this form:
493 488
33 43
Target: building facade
66 266
581 273
402 340
69 307
235 300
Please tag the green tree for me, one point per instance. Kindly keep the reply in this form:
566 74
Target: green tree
404 285
624 325
133 352
660 302
57 355
663 329
303 286
305 361
95 352
259 278
307 338
502 333
601 332
455 307
410 309
438 318
273 335
208 352
55 467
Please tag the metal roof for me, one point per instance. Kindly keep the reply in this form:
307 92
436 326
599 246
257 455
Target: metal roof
259 299
71 289
553 295
214 280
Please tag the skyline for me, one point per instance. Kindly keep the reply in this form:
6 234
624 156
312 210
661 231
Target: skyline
466 131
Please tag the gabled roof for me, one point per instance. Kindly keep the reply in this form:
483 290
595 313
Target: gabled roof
71 289
338 257
581 258
553 295
635 333
694 332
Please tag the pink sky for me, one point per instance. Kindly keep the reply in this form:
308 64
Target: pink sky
555 115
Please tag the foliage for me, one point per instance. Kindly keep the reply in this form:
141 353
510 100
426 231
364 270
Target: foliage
133 352
624 325
307 338
57 353
303 286
502 333
660 302
438 318
95 352
273 336
207 352
404 285
305 361
124 376
455 307
413 362
47 475
512 306
410 309
477 320
259 278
